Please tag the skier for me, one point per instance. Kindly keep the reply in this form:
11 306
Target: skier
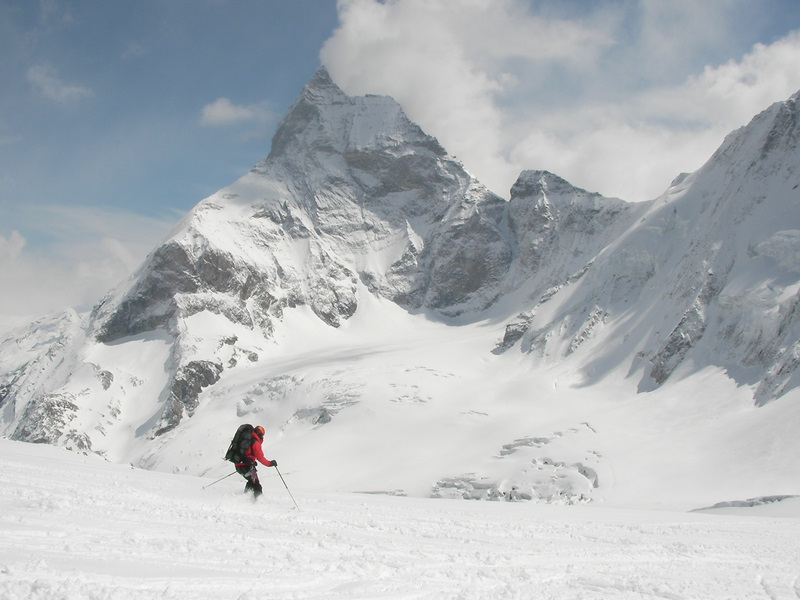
252 456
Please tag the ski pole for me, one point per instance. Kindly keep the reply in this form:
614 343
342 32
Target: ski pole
218 480
287 488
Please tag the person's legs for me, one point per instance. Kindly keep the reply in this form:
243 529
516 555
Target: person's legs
254 483
251 476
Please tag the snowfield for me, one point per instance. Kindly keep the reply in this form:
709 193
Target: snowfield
75 526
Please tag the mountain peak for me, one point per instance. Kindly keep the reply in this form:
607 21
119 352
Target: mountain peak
773 134
321 90
324 118
534 183
321 79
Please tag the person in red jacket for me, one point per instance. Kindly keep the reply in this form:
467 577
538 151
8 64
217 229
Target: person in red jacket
253 456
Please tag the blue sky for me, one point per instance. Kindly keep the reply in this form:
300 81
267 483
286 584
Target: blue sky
102 101
117 117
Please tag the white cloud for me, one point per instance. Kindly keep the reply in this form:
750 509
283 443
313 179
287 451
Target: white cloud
445 60
94 249
617 101
634 147
731 93
46 81
11 247
223 112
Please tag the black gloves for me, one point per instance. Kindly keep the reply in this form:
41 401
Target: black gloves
273 463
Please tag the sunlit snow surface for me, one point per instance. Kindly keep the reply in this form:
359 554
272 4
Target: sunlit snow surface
74 526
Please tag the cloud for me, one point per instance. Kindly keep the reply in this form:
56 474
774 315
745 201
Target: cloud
134 50
734 91
89 233
446 63
223 112
618 100
92 250
633 147
53 13
46 81
11 247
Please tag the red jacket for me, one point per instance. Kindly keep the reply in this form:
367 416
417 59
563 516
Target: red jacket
255 453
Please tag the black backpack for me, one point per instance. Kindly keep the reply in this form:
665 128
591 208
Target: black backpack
241 441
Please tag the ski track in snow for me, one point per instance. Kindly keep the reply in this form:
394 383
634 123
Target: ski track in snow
74 526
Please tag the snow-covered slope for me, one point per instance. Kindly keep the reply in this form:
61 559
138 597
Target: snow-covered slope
398 328
74 526
707 276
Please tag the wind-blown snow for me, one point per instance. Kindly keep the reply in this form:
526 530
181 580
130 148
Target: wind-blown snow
74 526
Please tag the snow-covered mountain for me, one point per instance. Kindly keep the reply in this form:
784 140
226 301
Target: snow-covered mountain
706 276
400 328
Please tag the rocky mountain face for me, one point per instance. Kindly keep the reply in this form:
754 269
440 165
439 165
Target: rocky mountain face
354 198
